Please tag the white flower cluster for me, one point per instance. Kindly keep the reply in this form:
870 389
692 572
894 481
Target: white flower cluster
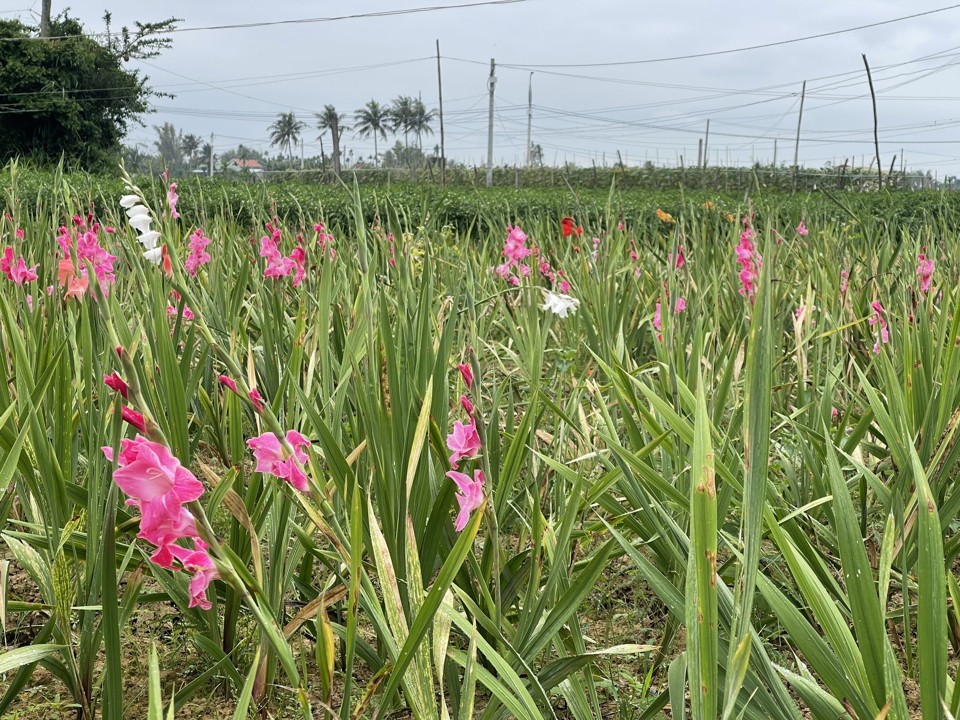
138 215
560 304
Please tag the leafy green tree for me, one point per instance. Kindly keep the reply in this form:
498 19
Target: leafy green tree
285 132
372 119
71 96
330 120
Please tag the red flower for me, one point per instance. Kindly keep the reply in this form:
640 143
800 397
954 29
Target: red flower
569 229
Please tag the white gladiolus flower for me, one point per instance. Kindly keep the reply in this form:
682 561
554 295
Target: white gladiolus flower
154 255
141 223
560 304
128 201
149 239
137 210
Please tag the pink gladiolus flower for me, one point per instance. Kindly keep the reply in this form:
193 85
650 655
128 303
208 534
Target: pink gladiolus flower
802 229
924 272
844 282
256 398
834 413
470 495
19 234
21 274
172 199
271 457
467 406
6 263
198 562
463 441
115 382
680 261
679 306
159 485
878 319
76 287
187 312
466 373
132 417
198 255
750 262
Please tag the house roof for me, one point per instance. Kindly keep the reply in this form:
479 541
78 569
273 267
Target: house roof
247 164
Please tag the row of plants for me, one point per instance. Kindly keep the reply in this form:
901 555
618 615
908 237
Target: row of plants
470 210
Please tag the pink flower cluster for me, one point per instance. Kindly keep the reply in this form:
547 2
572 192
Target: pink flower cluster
277 264
16 270
157 484
878 319
172 310
750 262
924 272
198 256
172 197
325 241
555 277
464 442
802 229
88 249
678 307
515 251
272 458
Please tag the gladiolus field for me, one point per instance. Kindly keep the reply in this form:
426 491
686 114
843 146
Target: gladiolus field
695 460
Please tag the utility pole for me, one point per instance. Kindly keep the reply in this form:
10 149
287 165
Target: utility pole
796 147
210 159
876 138
491 84
530 123
443 151
706 142
45 18
703 168
301 153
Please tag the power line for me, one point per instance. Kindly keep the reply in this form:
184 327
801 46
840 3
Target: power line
299 21
714 53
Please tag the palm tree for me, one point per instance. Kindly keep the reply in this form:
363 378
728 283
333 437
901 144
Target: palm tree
206 154
330 120
401 113
190 144
285 132
372 119
420 120
169 144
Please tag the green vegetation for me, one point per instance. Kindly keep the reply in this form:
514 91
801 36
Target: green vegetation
721 487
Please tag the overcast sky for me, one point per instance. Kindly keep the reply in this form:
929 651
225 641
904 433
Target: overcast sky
233 82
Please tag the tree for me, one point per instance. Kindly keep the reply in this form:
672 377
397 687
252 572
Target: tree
169 145
206 156
420 119
330 120
372 119
190 144
72 97
285 132
401 113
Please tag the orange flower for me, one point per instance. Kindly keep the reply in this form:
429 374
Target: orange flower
664 217
709 205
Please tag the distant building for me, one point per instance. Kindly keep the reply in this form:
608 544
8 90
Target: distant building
251 166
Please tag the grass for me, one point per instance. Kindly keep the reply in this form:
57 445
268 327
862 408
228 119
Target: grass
745 508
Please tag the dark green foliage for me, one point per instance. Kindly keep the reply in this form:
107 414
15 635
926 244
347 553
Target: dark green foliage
70 96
